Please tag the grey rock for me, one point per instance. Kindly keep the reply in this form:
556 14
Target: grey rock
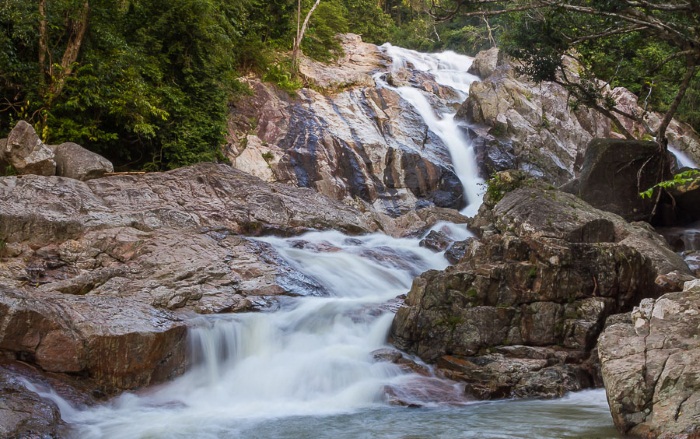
436 240
27 153
517 124
74 161
23 414
520 313
485 62
650 365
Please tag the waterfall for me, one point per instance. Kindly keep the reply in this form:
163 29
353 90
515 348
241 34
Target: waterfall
450 70
308 369
684 161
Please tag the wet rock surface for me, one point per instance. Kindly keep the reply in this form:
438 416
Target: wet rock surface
98 278
347 137
520 314
650 363
24 413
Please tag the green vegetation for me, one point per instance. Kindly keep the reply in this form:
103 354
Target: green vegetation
680 179
648 47
503 182
148 83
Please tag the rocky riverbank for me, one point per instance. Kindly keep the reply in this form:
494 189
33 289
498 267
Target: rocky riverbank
100 275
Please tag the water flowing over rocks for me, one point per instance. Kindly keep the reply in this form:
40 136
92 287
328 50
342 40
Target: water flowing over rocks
347 135
23 414
520 314
92 268
650 362
517 124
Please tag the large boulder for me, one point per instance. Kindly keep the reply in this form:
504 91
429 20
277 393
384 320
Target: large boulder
42 210
517 124
74 161
615 171
119 343
651 367
520 314
485 62
25 151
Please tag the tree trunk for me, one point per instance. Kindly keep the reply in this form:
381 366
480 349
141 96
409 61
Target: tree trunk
300 36
685 83
70 56
43 39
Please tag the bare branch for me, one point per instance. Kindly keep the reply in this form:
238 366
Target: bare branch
660 7
626 30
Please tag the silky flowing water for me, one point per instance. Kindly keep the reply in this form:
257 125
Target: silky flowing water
307 370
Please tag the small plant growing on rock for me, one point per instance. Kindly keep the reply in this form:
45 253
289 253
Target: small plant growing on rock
267 156
9 171
503 182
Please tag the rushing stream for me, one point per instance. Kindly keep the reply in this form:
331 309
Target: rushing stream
307 370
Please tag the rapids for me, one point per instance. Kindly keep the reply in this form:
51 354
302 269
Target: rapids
307 370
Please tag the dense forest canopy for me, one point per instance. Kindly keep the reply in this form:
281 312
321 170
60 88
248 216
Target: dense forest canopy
147 83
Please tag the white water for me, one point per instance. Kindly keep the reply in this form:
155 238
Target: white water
313 358
307 370
449 69
684 161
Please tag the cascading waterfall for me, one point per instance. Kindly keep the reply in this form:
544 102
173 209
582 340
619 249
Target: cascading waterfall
307 370
450 70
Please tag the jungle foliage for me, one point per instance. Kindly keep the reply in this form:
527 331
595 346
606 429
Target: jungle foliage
147 83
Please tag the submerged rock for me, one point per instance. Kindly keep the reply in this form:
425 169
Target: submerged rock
651 367
520 314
